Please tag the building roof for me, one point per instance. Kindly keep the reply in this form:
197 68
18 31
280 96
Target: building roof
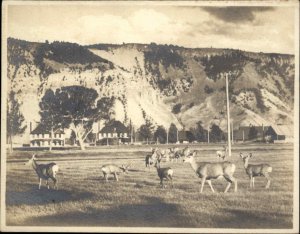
43 129
286 130
114 127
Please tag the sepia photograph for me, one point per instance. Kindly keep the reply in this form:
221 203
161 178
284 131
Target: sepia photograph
150 116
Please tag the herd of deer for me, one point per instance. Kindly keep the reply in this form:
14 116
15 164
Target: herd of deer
206 171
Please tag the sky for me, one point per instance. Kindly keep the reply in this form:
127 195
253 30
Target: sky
258 29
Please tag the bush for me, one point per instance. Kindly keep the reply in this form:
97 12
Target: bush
176 109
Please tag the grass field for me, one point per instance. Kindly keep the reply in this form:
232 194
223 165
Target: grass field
83 198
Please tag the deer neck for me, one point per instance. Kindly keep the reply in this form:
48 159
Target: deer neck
194 165
34 165
246 163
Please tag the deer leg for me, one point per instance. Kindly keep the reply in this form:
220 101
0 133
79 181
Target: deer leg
253 182
210 185
116 177
105 177
202 184
47 183
40 183
171 181
230 179
269 180
250 181
55 183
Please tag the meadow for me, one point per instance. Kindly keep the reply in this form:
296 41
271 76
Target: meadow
84 198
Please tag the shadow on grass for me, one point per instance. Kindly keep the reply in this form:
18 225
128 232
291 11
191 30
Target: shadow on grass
34 196
234 218
152 213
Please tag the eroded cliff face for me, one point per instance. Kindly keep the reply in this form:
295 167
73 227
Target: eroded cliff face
160 83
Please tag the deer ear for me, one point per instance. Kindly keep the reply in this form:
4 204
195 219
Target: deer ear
241 155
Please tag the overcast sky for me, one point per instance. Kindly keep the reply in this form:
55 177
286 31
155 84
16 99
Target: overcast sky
265 29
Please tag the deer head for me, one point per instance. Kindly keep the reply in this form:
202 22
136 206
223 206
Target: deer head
125 168
245 157
30 160
190 158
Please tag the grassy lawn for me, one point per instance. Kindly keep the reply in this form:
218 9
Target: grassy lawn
85 199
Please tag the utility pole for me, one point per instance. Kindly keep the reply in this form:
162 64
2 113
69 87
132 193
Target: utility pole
208 135
228 116
167 136
232 131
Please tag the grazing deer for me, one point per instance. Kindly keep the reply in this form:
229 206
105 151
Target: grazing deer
164 173
44 171
254 170
222 153
113 169
212 170
178 153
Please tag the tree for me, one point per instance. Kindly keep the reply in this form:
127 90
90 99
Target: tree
190 136
252 133
216 134
15 120
145 131
161 134
200 133
74 107
173 133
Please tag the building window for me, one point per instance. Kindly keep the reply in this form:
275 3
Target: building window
125 134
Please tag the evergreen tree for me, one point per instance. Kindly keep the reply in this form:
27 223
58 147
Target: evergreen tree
173 133
216 134
160 134
15 120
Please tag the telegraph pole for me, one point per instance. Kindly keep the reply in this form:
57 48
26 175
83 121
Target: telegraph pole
167 136
228 116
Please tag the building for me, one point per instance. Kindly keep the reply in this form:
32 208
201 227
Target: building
284 133
263 133
114 132
41 137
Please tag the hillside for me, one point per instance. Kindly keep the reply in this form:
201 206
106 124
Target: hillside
161 83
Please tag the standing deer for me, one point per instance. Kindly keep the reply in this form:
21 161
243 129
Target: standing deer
164 173
113 169
150 159
44 171
222 153
212 170
254 170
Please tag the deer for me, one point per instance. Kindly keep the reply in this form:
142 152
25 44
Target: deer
149 160
113 169
157 155
212 170
44 171
222 153
164 173
178 153
255 170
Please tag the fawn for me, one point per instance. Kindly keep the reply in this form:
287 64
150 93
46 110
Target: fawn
254 170
164 173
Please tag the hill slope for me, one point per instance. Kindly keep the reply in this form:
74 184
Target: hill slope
161 83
